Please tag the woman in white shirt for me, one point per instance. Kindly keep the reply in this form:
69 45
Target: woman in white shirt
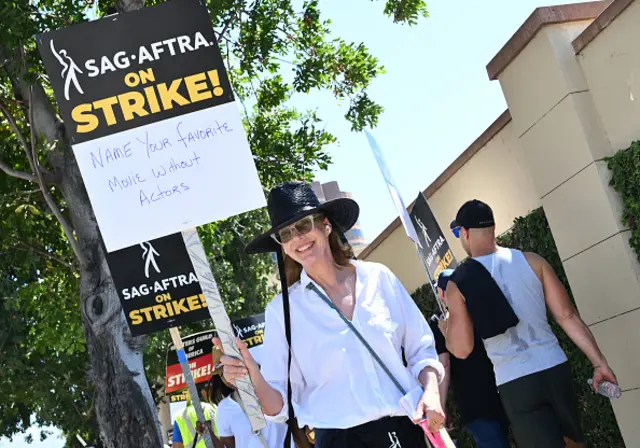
337 386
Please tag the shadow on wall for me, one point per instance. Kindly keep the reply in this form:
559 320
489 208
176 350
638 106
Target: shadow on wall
531 233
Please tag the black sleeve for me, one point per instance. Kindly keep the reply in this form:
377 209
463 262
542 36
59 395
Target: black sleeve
441 343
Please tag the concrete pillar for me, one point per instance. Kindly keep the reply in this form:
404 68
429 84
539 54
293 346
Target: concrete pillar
564 139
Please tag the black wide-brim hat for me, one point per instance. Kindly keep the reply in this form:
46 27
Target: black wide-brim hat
292 201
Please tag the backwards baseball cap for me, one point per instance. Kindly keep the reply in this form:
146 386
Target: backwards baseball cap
474 214
443 279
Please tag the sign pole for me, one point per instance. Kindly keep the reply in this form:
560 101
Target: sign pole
195 398
404 216
433 287
220 318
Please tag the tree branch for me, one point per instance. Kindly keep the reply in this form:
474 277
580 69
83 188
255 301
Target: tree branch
23 192
16 130
49 177
226 27
27 247
46 122
129 5
47 196
229 68
18 174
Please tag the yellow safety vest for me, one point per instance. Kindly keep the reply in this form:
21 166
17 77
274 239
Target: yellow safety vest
187 420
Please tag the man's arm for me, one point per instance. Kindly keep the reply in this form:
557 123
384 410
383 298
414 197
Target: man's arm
445 359
566 315
229 442
459 328
217 443
177 436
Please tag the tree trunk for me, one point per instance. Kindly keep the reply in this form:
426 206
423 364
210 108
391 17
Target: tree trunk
124 404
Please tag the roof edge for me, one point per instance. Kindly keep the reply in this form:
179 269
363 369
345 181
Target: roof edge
613 10
479 143
539 18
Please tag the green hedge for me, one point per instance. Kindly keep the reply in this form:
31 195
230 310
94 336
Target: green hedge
625 179
532 234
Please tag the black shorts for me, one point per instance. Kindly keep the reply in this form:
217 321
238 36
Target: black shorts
542 408
397 432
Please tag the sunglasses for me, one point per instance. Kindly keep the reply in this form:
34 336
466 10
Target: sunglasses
302 227
456 231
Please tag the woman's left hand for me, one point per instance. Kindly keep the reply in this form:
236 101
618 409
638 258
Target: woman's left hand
429 408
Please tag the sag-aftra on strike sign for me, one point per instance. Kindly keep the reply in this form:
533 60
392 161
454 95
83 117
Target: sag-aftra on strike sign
157 285
151 115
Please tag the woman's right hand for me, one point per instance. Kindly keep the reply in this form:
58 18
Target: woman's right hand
235 368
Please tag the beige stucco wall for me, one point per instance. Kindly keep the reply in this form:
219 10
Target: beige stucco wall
496 174
611 64
571 111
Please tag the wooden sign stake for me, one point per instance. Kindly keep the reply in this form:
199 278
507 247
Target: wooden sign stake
193 391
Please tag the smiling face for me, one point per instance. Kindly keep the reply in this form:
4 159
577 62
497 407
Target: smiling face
306 241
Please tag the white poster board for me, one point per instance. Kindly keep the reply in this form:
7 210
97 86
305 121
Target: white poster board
393 190
169 176
151 115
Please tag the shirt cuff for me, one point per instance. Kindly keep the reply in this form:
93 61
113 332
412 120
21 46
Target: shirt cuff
283 415
420 365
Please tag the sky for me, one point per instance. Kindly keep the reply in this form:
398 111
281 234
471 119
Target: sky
436 93
53 441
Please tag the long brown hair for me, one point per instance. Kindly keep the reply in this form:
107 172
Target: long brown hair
217 389
342 253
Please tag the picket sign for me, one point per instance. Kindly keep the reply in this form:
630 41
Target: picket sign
434 250
250 402
404 216
193 391
440 439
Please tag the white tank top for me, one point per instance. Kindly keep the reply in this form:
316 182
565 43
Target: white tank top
530 346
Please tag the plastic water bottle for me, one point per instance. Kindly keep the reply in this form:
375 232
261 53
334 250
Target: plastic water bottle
607 389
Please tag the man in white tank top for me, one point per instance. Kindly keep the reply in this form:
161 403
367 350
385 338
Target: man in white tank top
532 372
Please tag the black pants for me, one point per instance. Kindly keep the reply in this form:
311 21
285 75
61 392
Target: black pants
390 432
543 408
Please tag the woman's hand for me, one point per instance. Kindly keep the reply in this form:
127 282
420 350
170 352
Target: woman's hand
429 408
235 368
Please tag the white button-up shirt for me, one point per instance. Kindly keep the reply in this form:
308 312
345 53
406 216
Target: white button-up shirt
232 422
336 383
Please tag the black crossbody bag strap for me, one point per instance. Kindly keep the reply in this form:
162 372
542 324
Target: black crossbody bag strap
287 329
328 301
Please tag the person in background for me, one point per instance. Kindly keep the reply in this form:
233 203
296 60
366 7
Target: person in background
338 388
473 383
532 372
188 431
232 424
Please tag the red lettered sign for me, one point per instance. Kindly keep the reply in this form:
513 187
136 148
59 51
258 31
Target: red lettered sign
198 348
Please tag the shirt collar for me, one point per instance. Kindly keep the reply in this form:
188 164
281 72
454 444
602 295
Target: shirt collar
305 279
